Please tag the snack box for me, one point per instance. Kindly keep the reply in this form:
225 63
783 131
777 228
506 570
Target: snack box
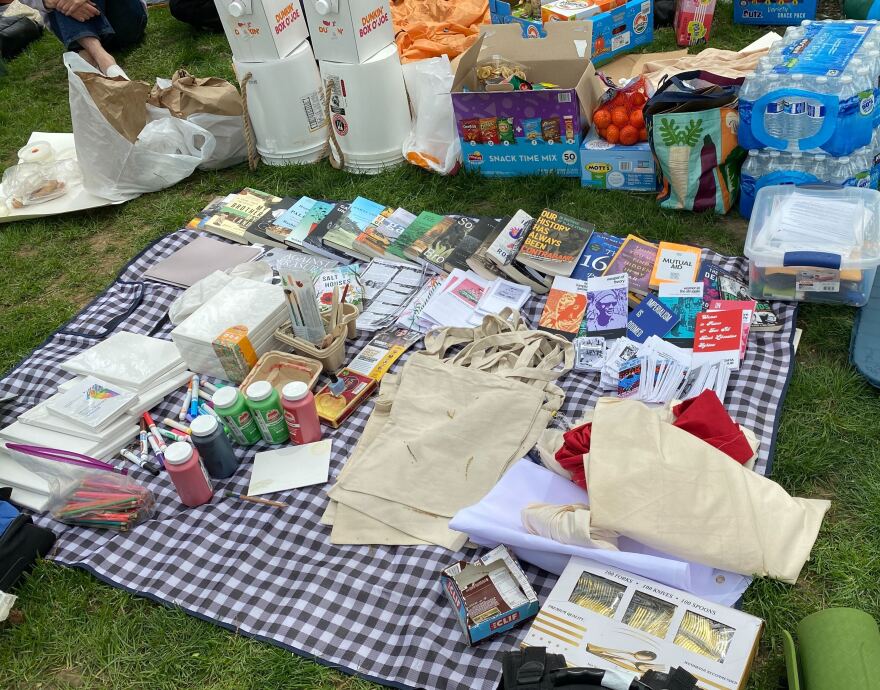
614 166
568 10
617 29
489 596
601 617
781 12
507 133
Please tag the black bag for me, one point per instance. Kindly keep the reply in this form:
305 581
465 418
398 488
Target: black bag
16 34
21 543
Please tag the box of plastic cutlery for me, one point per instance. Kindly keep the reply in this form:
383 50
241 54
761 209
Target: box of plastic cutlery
601 617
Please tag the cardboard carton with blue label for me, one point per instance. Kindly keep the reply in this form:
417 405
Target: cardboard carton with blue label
614 166
506 132
781 12
615 32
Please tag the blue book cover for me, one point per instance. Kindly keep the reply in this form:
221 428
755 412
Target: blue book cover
292 216
685 300
594 259
649 318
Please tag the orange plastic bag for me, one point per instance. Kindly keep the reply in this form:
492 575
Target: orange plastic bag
619 118
431 28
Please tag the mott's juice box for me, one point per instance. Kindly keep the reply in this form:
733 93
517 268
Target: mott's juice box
613 166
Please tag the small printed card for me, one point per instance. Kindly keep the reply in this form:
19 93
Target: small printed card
91 402
718 336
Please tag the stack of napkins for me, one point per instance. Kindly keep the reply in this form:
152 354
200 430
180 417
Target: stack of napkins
259 307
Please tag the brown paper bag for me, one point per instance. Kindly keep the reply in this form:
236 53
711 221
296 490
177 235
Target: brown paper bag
189 95
121 102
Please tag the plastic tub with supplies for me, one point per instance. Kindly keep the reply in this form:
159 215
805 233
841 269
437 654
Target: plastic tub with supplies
814 244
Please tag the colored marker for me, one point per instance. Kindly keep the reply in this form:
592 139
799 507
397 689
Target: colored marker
144 449
204 409
210 387
176 425
171 436
157 451
147 465
194 401
183 408
154 431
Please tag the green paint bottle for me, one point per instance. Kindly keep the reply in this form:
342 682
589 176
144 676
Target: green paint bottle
265 404
230 406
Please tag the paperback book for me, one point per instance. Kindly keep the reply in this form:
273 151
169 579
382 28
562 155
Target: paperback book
600 249
377 237
651 317
441 244
748 309
238 212
416 250
565 307
422 223
340 276
675 263
506 245
298 222
607 306
685 300
314 243
555 243
480 263
635 258
264 230
361 213
764 318
718 336
467 235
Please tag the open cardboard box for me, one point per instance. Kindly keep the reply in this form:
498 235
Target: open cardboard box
546 125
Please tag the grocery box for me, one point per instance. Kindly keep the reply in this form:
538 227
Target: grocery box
506 133
489 596
616 31
614 166
349 31
814 244
600 617
781 12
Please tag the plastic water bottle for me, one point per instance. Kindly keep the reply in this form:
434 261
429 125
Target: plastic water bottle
839 170
775 117
818 167
796 113
752 167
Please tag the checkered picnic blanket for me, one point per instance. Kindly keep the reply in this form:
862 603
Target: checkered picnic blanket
377 612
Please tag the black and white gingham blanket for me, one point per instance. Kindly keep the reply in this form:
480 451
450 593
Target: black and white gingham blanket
377 612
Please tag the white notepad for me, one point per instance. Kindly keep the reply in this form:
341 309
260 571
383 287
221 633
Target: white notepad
292 467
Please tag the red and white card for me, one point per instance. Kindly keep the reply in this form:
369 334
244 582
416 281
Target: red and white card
718 336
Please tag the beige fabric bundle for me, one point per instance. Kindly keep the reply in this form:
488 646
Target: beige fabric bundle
444 432
672 491
567 524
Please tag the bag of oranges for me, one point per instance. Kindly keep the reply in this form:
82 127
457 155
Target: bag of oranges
619 118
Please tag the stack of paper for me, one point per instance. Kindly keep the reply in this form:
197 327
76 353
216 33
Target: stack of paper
464 298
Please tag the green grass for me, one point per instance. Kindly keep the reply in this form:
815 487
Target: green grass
76 632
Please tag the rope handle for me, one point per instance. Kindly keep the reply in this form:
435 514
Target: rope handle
337 158
249 137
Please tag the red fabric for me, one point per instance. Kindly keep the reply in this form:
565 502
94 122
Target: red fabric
706 418
575 444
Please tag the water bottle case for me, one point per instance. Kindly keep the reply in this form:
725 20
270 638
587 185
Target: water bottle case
750 186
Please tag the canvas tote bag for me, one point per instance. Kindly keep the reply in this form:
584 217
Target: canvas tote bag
663 487
453 428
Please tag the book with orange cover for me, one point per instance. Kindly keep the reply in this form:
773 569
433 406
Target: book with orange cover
675 263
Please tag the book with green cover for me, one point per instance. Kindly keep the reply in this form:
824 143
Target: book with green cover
423 222
415 251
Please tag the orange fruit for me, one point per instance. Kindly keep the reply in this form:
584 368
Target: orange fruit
643 134
637 119
638 99
602 132
601 118
612 134
629 135
620 116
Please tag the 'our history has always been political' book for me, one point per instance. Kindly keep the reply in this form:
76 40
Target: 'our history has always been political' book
555 243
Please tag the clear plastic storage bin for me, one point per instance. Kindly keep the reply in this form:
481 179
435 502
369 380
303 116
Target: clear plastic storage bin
814 244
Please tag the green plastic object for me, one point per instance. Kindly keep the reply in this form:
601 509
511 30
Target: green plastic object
860 9
838 649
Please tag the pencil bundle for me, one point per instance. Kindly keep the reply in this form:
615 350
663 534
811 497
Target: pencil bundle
305 315
112 503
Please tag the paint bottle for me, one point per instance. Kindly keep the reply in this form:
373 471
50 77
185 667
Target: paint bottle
230 406
265 404
300 413
336 385
184 466
213 446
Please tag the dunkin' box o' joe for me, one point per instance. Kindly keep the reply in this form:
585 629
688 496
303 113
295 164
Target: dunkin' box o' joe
350 31
506 133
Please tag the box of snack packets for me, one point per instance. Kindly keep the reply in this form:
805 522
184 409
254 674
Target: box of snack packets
490 595
521 105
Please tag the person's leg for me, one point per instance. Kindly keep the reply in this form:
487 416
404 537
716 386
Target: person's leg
102 59
129 21
72 32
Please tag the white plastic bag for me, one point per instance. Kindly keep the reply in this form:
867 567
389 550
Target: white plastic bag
166 151
433 141
230 147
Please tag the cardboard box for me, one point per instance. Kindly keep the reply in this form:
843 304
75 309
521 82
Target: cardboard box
263 30
782 12
616 31
541 130
490 595
614 166
354 33
602 617
568 10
